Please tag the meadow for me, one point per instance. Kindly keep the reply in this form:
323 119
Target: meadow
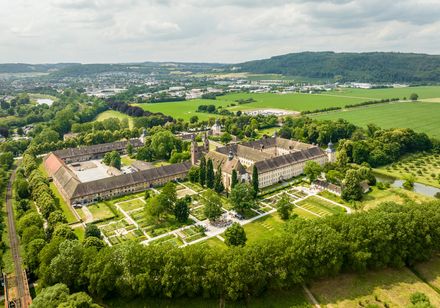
381 288
114 114
420 116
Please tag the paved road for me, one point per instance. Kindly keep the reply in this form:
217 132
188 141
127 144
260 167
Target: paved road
21 282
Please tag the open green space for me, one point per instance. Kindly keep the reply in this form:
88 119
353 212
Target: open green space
320 206
382 288
424 167
423 92
419 116
293 102
263 228
430 272
293 298
114 114
100 211
397 195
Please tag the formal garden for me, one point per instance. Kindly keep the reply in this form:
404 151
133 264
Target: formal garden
125 218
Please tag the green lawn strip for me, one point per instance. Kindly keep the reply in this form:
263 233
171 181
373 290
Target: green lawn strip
71 218
384 288
80 232
321 206
213 242
264 227
304 214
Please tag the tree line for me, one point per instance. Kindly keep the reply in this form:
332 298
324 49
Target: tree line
398 235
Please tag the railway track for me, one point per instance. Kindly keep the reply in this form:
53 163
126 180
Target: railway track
16 286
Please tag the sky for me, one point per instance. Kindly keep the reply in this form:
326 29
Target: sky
223 31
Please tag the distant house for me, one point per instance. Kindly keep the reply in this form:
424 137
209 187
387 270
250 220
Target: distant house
335 189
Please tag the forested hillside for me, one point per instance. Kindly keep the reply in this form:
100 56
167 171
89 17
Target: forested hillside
362 67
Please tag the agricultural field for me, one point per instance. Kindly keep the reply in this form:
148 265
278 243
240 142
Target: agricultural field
381 288
292 102
427 92
424 167
114 114
419 116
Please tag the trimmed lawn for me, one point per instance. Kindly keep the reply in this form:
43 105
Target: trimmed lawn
383 288
80 232
304 214
265 227
100 211
320 206
214 242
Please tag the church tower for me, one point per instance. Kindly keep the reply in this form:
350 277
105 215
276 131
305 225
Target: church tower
194 150
205 143
331 153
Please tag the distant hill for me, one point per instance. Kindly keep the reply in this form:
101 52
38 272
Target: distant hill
361 67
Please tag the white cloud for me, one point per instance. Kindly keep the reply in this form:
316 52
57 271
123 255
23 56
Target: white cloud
210 30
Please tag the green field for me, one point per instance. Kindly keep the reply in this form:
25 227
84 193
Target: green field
382 288
294 102
114 114
420 116
423 92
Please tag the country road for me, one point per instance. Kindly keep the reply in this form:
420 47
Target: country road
21 283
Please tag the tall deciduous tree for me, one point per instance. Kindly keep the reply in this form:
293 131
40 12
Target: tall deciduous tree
181 210
312 170
284 207
351 186
242 197
209 174
235 235
213 205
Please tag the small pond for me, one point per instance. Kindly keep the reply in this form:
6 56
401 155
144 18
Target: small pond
418 187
